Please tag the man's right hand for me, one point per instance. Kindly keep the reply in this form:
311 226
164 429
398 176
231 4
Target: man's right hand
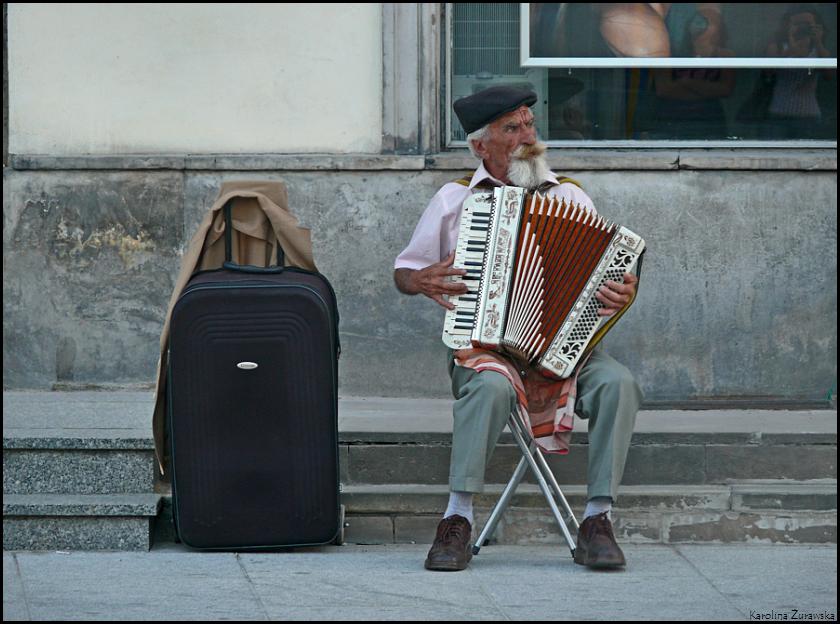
432 281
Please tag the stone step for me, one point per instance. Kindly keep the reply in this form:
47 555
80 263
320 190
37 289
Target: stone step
81 469
653 459
759 494
128 415
79 522
101 442
110 465
759 511
72 459
77 443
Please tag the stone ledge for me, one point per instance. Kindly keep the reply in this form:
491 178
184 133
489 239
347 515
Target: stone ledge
77 471
423 438
78 440
66 533
652 464
218 162
385 514
817 495
525 526
114 419
752 496
139 440
422 499
94 505
566 159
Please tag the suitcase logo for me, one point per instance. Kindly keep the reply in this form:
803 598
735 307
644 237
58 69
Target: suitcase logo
247 365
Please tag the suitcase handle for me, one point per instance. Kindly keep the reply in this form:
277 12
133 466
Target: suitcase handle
247 268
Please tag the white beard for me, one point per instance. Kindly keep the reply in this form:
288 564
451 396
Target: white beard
531 171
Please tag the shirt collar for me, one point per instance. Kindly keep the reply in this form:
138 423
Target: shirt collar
481 175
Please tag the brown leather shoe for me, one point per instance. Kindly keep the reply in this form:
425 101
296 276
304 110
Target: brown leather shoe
452 549
596 545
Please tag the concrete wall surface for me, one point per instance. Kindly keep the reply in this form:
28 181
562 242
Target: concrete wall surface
738 296
118 78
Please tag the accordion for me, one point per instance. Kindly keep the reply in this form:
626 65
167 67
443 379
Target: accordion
533 267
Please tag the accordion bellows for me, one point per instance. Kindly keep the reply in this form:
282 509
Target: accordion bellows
533 265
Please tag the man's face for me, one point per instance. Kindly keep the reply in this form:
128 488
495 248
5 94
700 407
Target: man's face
506 134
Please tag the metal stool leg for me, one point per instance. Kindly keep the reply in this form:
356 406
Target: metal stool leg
546 490
553 481
542 472
501 505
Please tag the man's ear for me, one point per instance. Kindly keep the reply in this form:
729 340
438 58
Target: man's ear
480 148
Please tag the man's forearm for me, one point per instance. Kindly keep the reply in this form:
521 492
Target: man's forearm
403 281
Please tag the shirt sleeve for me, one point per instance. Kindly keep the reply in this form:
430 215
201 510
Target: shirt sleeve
430 239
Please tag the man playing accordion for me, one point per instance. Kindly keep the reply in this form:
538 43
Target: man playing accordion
501 133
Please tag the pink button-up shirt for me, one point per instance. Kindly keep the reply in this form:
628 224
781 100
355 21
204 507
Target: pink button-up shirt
436 234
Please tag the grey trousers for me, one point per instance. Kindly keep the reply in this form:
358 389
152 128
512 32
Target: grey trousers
607 395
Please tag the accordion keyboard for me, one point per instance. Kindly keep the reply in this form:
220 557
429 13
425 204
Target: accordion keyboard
469 255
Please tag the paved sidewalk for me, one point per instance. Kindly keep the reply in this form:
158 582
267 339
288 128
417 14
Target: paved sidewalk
662 582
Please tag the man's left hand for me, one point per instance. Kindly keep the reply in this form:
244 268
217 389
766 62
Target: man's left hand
615 295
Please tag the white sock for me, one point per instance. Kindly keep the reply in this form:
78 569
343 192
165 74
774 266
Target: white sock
598 505
460 503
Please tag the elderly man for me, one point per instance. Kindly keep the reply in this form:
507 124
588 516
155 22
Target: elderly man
501 132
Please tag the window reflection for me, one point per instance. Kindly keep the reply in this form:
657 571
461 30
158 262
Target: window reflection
706 104
674 104
678 29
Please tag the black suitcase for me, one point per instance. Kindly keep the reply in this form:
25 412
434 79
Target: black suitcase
253 408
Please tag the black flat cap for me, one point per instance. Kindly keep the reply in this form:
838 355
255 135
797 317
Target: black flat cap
479 109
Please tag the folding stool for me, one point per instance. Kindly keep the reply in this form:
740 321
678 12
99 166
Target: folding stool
531 457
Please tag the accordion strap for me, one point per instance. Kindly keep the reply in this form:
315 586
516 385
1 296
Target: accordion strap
560 180
465 181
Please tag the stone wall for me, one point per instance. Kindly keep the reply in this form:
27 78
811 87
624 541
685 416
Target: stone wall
738 297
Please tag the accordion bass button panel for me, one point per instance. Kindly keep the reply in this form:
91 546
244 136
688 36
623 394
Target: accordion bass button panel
584 328
469 254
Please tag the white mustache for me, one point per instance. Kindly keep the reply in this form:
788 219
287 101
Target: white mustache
528 152
528 167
